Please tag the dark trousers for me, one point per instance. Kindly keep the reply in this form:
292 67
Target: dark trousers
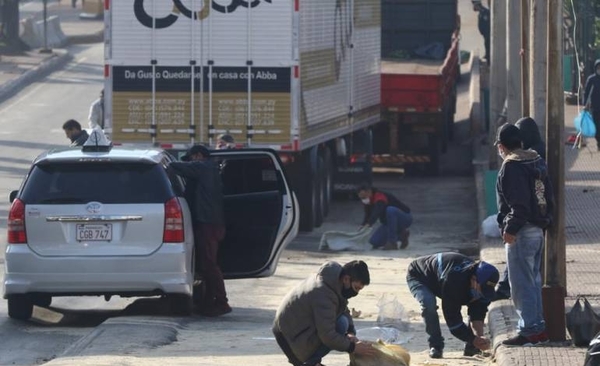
207 238
596 118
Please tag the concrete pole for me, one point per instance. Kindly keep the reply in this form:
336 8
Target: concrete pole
554 289
538 46
525 54
497 72
513 61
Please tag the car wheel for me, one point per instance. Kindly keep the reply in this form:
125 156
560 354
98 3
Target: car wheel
180 304
43 301
20 307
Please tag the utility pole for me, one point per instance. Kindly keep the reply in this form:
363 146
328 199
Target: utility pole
553 292
513 61
45 49
525 53
497 70
538 51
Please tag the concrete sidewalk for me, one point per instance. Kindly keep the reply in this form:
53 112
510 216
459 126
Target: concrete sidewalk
582 203
17 71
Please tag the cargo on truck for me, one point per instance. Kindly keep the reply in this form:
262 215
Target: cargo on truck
299 77
419 74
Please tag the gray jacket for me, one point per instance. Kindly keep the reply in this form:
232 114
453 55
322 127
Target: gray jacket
308 313
204 186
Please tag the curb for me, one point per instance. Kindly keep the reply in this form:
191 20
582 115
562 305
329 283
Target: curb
97 37
61 57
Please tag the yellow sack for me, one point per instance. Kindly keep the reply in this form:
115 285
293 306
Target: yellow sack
387 355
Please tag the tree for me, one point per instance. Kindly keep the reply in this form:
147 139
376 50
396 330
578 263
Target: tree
9 29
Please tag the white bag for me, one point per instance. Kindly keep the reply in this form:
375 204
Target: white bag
342 240
490 227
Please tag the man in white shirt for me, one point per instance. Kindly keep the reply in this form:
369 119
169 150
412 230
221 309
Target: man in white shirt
96 116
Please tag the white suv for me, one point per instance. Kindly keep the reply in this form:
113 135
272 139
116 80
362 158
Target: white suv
111 221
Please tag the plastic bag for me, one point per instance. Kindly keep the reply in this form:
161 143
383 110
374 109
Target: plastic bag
389 335
490 228
582 322
592 356
391 313
584 124
342 240
386 355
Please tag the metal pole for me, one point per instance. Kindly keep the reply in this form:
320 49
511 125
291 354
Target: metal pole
497 72
45 49
513 61
554 289
537 73
525 52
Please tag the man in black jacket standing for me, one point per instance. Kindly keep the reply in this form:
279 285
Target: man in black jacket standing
591 98
205 188
395 218
456 280
483 23
525 206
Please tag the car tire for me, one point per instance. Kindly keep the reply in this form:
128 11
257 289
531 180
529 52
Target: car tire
42 300
180 304
20 307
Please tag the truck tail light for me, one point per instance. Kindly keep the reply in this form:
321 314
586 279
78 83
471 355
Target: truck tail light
16 223
358 158
173 231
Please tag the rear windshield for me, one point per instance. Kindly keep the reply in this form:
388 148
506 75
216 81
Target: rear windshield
105 182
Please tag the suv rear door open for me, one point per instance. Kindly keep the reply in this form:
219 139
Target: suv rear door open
261 212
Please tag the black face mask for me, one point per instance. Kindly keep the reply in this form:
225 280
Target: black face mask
348 292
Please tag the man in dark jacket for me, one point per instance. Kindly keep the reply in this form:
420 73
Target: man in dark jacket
456 280
483 23
530 135
313 318
204 186
74 132
591 98
525 206
395 218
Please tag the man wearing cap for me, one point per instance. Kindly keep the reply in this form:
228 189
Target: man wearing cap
525 206
457 280
483 23
225 142
204 189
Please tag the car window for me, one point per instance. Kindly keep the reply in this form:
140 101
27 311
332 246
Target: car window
241 175
106 182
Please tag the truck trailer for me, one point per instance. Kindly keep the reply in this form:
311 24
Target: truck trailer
299 77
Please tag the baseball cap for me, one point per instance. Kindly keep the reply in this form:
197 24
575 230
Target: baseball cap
487 277
196 149
508 135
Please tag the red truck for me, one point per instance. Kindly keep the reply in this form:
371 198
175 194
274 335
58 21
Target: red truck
418 94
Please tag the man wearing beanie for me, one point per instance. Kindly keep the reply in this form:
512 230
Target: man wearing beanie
525 206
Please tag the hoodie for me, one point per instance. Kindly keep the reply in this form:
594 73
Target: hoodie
523 191
592 89
530 134
307 315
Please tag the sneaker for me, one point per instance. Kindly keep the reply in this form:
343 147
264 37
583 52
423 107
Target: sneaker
542 338
436 352
522 341
404 239
390 246
471 350
216 310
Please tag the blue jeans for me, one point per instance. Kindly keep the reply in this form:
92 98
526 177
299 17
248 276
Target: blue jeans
396 222
341 326
524 259
428 311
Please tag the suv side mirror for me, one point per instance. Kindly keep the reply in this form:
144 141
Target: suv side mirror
12 196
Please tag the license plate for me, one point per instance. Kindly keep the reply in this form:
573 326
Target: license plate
102 232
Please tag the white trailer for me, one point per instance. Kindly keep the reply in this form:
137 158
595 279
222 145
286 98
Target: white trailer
299 76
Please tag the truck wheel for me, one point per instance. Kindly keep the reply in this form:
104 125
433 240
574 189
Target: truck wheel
318 186
20 307
309 194
327 181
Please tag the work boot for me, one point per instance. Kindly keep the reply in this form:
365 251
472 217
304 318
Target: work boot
390 246
217 310
471 350
404 239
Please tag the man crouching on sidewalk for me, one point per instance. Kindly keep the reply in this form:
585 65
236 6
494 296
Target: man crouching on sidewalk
313 318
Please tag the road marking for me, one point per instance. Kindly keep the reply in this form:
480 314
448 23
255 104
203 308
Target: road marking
69 67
